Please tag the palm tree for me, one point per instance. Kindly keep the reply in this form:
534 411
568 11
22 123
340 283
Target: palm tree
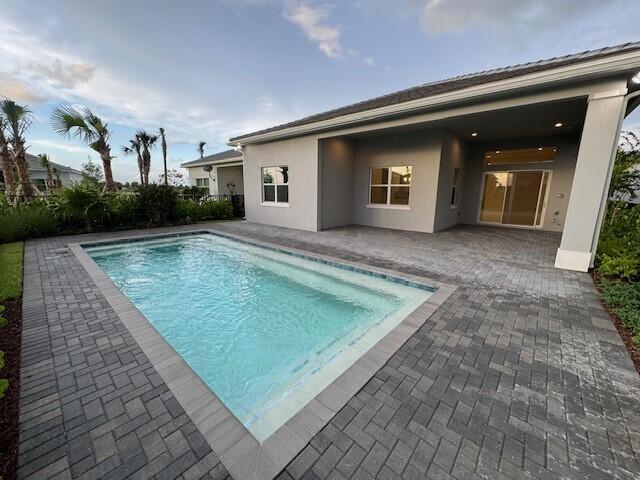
82 123
58 181
6 161
18 120
46 164
135 148
201 145
147 141
164 154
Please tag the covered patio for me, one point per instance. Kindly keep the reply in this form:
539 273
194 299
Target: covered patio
519 374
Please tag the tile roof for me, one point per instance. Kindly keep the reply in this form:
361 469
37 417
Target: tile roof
452 84
227 154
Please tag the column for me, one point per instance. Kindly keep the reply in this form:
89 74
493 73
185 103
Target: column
587 202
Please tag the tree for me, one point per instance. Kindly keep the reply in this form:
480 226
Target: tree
164 154
56 173
18 120
6 161
46 164
92 173
625 178
135 148
147 142
201 145
174 177
90 128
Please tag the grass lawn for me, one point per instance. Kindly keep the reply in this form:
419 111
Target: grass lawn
11 268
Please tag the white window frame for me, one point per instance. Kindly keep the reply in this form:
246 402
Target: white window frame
275 184
388 185
204 180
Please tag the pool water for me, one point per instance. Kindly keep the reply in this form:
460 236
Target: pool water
265 330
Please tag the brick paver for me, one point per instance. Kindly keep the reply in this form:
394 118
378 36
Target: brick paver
520 373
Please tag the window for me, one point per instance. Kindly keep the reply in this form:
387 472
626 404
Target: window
202 182
520 156
390 186
454 188
275 185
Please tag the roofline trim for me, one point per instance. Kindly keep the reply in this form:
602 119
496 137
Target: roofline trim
204 163
613 64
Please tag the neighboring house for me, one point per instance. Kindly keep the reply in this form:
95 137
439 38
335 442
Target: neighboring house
526 146
221 173
68 175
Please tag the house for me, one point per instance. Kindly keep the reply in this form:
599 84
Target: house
528 146
68 175
220 172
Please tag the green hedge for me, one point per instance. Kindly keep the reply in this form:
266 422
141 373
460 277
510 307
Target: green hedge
618 252
623 299
84 208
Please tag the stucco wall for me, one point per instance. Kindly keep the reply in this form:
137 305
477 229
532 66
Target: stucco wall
453 156
420 150
198 172
336 182
228 175
562 176
301 156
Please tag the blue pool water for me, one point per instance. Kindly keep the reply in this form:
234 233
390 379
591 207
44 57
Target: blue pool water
265 330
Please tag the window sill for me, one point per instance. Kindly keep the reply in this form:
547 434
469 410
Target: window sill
274 204
388 207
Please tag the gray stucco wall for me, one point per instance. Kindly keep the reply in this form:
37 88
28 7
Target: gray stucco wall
453 156
562 175
420 150
336 183
301 156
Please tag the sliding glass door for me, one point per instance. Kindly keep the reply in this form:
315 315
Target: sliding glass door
514 197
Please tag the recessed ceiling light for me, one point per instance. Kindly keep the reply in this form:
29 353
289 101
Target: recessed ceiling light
497 151
474 134
540 148
636 78
488 156
558 125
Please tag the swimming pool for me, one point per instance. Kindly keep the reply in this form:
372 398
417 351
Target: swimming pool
265 330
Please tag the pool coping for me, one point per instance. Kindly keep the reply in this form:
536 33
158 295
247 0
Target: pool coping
238 450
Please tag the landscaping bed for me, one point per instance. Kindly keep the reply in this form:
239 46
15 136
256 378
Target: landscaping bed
11 262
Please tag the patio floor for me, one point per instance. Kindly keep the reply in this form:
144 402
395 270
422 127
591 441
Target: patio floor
519 374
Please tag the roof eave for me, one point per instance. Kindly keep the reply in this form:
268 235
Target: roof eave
589 69
204 163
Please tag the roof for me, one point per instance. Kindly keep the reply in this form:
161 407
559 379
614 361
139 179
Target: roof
452 84
34 164
216 157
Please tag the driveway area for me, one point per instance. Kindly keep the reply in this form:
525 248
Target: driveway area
520 374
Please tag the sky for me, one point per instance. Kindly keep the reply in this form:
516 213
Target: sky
213 69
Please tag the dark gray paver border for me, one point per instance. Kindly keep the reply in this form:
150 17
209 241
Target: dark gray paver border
242 455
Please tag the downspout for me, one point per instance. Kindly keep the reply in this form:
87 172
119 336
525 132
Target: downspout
605 195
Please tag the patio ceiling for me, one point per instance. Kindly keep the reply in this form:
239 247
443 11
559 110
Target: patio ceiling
536 120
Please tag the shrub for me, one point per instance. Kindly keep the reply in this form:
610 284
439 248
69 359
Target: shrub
124 210
80 206
26 221
157 204
619 246
623 299
190 211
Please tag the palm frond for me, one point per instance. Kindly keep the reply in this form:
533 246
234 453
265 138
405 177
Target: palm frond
67 121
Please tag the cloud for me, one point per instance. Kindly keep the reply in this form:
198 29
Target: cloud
61 146
510 17
13 88
313 22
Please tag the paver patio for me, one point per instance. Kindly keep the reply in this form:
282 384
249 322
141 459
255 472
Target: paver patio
519 374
